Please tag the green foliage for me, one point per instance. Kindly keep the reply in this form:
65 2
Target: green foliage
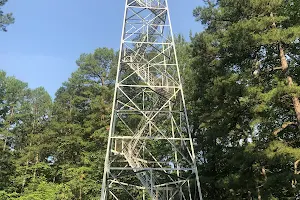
5 19
243 116
241 107
46 191
98 66
55 150
80 121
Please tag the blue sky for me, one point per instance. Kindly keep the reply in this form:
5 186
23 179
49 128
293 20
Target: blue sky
49 35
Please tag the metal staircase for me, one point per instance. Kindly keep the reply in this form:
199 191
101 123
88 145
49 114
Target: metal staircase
141 73
140 50
147 77
131 156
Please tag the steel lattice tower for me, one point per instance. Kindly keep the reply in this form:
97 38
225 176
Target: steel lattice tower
150 151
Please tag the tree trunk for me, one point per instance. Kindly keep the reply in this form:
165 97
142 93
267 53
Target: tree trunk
24 179
102 81
36 162
80 192
258 194
284 67
26 169
4 145
7 128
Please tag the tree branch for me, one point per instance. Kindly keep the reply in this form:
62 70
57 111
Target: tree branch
296 164
284 126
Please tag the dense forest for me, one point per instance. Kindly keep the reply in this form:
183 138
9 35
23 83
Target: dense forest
241 77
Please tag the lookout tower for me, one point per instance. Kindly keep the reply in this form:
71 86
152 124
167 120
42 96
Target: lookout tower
150 151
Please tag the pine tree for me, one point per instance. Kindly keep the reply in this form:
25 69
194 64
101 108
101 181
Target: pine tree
248 98
13 93
5 19
32 163
81 116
